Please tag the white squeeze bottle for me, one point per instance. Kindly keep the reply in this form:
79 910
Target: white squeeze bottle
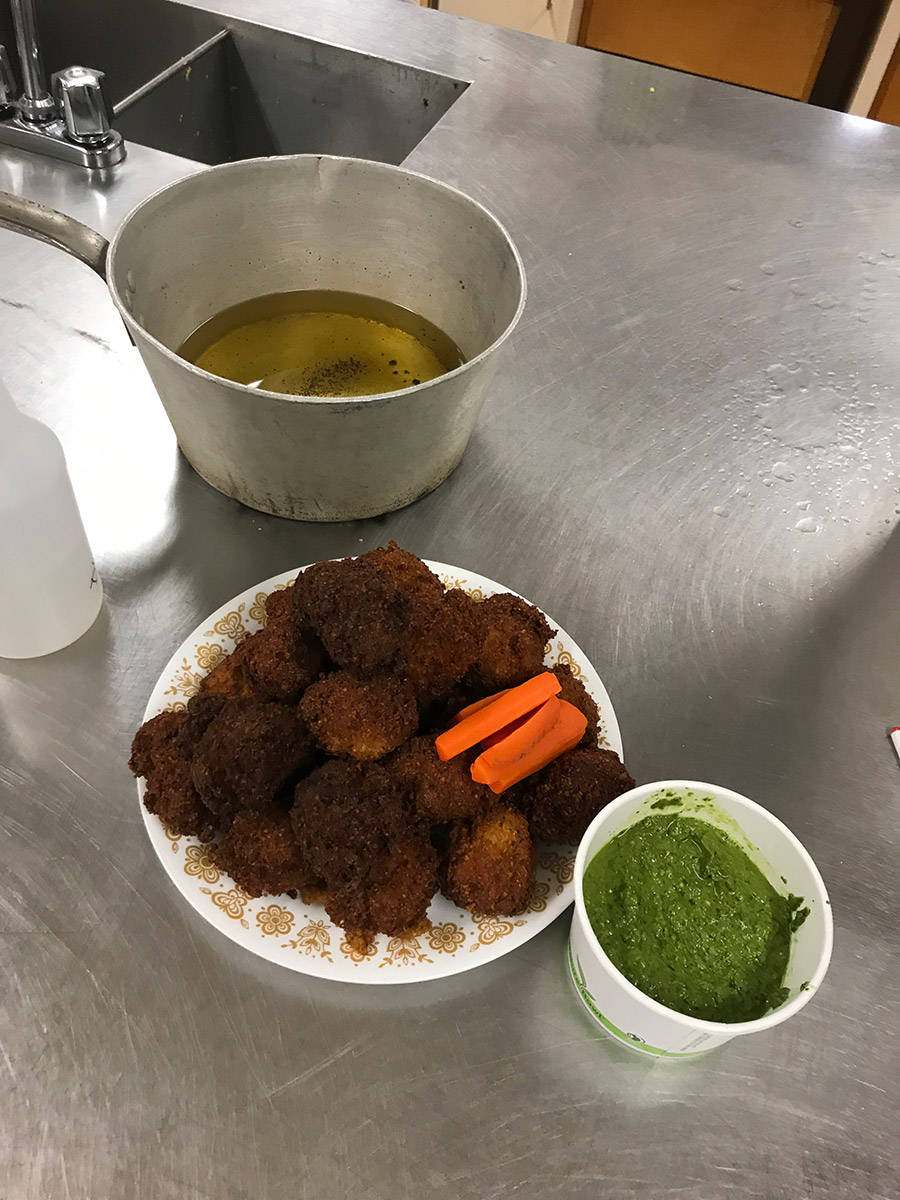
49 591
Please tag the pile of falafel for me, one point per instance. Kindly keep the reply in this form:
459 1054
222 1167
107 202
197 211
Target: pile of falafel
307 759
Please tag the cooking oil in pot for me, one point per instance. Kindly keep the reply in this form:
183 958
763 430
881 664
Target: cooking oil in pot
322 343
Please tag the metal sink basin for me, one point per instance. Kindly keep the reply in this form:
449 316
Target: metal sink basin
251 91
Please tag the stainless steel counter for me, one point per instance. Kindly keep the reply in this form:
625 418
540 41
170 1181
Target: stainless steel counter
690 459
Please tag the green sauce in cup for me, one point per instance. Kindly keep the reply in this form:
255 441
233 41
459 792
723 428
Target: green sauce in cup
686 915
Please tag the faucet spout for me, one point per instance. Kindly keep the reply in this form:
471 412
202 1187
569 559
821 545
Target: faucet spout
74 124
35 104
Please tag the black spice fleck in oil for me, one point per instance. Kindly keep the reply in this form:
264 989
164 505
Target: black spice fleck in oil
321 343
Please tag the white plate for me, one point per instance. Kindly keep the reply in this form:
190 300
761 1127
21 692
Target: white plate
301 936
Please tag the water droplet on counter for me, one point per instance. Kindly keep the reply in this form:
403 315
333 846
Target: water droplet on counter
888 254
806 525
767 268
782 471
867 258
796 222
804 504
720 511
799 290
735 285
825 301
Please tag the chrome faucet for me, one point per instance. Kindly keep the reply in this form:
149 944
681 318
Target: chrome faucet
74 123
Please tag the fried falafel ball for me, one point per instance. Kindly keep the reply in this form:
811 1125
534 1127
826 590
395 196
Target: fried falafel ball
512 649
154 741
441 791
279 606
407 572
246 755
442 640
171 796
170 793
260 852
284 657
394 897
563 798
363 718
202 709
346 814
489 867
357 612
439 714
576 693
228 678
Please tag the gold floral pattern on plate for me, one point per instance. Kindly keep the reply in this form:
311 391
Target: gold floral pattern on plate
561 866
274 920
197 862
230 626
491 929
209 656
540 893
565 659
355 953
404 951
446 938
474 593
184 681
280 928
257 610
174 838
313 939
232 903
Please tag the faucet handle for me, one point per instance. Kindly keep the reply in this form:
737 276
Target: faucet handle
7 81
83 104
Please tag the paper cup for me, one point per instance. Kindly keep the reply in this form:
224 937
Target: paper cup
644 1024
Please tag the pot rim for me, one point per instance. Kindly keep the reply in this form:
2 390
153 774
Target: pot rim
136 329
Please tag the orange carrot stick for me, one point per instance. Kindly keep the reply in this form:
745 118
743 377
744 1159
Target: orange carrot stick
517 701
555 727
494 738
477 706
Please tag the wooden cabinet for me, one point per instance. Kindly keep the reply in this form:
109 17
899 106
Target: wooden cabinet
811 50
772 45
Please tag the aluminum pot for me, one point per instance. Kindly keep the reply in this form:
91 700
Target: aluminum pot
245 229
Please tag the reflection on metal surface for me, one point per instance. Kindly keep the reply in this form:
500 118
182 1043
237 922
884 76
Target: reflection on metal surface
862 126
